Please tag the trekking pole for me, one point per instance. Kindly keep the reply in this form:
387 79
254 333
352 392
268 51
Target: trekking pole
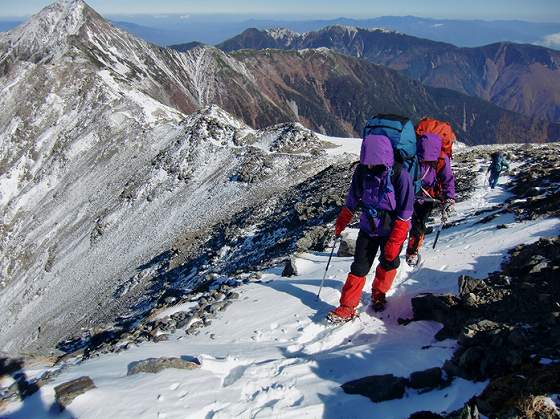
440 227
327 268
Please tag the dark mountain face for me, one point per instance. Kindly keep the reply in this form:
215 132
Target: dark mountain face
335 94
521 78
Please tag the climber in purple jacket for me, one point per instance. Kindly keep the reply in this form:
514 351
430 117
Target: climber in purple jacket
438 188
385 195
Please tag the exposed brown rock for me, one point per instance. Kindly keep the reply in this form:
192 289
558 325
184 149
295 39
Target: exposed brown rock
67 392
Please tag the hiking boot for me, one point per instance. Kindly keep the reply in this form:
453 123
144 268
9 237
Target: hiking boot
341 314
378 301
412 259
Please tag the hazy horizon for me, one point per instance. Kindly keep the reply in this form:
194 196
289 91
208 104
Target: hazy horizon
212 28
542 11
232 17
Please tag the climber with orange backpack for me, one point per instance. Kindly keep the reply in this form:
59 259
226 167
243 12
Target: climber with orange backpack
434 150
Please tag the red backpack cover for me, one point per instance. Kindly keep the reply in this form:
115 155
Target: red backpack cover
444 130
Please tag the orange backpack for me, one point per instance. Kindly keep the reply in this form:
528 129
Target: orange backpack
444 130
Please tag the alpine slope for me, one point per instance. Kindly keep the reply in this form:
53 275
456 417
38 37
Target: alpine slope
272 355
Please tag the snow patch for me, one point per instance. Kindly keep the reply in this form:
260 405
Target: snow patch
342 145
154 112
175 309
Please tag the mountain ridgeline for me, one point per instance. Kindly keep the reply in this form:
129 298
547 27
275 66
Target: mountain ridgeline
326 91
519 77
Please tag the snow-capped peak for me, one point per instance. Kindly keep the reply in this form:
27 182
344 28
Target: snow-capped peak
283 34
46 32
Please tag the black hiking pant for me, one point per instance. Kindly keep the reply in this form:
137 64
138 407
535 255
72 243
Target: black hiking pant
493 180
422 212
366 250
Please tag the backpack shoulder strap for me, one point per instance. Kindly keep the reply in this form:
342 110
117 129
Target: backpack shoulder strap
359 169
360 176
397 168
441 163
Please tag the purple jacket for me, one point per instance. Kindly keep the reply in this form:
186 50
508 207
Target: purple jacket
434 182
373 191
370 190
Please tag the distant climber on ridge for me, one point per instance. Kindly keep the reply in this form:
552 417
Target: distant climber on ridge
383 189
434 145
497 166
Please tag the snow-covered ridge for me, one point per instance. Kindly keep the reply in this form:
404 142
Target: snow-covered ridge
349 30
326 51
285 35
289 37
213 125
102 174
216 113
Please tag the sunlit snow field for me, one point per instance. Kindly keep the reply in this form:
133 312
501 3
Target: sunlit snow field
272 355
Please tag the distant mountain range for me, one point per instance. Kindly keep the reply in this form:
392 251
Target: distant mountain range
334 93
519 77
213 29
464 33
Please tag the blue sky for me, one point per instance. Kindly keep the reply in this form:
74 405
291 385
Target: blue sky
534 10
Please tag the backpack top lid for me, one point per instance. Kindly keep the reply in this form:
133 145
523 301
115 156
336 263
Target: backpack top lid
377 150
443 129
497 156
398 129
429 147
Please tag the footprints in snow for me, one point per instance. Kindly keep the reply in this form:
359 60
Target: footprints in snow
317 338
265 386
166 398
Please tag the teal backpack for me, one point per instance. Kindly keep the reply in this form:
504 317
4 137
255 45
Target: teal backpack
400 131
